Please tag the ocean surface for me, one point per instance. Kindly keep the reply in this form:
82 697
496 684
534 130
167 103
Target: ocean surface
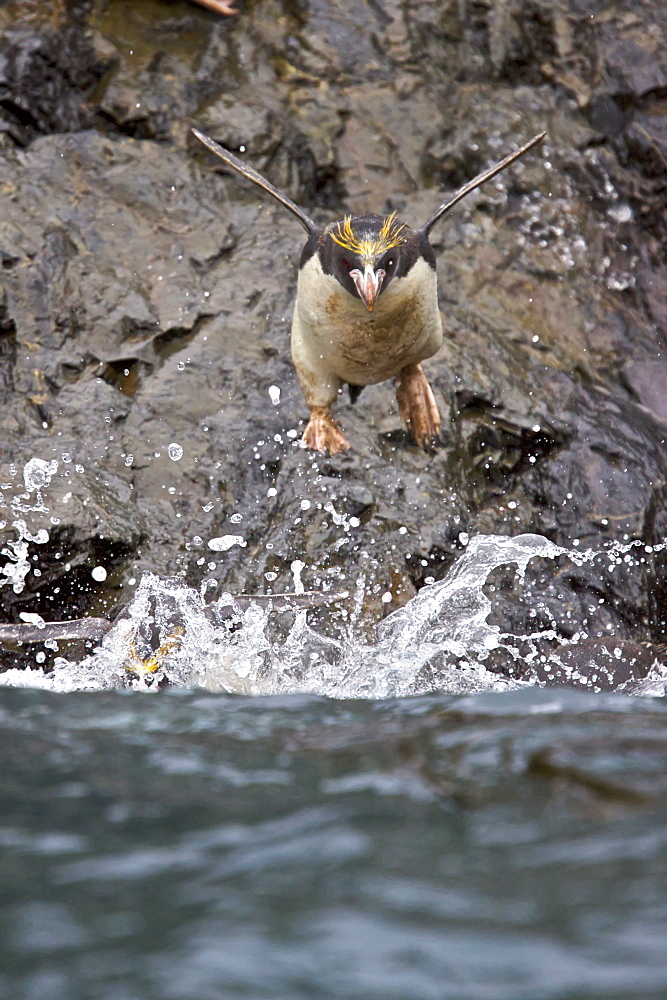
186 845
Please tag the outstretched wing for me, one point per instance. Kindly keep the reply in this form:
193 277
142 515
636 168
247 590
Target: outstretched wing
478 181
247 171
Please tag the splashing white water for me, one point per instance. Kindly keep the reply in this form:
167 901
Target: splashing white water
438 641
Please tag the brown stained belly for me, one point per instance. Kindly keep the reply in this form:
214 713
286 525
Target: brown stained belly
368 351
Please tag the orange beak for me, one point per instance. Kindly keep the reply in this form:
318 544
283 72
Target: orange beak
368 284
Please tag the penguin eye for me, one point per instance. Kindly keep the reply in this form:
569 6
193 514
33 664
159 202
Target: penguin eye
346 264
390 263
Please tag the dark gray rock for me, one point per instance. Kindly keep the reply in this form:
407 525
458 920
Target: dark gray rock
146 299
50 64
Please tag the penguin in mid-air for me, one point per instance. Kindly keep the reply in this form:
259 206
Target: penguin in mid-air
366 308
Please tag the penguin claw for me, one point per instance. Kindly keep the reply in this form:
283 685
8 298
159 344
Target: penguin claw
417 406
219 6
322 433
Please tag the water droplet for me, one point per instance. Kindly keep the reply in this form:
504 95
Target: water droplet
37 473
32 619
224 542
297 568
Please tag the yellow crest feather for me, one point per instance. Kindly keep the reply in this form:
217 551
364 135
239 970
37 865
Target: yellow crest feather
390 235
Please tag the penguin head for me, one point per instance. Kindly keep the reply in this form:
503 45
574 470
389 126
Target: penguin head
364 253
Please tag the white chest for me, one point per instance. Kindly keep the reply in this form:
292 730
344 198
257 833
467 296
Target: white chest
335 331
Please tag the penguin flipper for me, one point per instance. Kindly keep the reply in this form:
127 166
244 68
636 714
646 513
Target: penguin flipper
247 171
477 182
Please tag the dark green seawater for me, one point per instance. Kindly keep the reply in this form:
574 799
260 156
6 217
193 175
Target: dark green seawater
187 846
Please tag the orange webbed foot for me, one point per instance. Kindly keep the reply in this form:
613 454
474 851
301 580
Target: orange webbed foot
417 406
322 433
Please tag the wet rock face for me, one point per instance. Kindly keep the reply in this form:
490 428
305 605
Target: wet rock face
50 64
146 298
